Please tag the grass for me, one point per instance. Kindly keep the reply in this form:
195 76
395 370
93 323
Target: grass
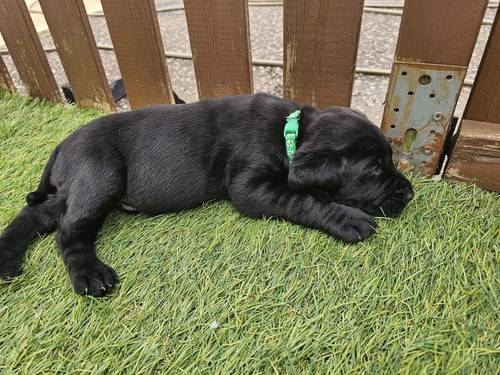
420 297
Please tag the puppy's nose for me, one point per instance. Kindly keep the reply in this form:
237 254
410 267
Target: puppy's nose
409 195
406 190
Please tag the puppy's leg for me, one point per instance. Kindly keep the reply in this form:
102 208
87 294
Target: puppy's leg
255 197
88 203
30 222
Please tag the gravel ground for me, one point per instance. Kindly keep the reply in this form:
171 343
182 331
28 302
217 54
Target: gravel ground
376 50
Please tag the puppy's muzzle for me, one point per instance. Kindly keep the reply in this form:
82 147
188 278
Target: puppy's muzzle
404 191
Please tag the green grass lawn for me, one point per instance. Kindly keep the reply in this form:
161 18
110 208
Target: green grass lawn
422 296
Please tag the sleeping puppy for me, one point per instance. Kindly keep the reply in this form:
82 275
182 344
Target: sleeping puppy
173 157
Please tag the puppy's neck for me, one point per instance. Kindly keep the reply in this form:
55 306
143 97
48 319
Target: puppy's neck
307 116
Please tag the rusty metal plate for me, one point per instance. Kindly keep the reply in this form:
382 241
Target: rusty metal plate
418 110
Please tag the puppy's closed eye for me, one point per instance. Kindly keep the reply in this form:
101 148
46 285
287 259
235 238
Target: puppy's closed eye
377 171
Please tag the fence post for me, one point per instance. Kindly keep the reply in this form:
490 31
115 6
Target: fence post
26 50
220 44
136 37
72 35
320 49
435 44
476 157
5 80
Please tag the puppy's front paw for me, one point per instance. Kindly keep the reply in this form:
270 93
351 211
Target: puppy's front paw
95 280
352 225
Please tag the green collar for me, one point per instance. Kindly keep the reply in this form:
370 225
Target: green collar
291 133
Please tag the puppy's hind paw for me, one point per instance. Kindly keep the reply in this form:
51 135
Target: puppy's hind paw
10 266
96 280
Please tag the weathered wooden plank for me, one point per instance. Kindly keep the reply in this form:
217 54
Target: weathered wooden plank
72 35
476 157
320 48
435 37
5 80
135 34
484 100
439 32
220 43
26 50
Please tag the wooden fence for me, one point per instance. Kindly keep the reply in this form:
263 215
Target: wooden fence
435 44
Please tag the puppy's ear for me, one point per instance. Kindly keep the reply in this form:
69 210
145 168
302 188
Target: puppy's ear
308 115
313 171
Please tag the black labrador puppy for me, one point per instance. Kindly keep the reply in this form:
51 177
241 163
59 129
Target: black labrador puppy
173 157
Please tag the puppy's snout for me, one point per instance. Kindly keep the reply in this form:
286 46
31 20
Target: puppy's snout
409 195
407 191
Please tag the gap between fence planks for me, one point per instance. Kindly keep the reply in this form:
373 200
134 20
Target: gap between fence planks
320 48
220 43
5 80
26 50
135 33
74 40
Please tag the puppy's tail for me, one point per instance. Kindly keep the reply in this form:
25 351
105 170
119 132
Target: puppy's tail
44 187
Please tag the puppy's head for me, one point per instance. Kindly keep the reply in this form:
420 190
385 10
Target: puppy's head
345 158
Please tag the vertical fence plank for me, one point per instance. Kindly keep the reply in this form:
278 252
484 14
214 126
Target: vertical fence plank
5 80
476 156
439 32
72 35
220 43
435 44
320 48
135 33
484 100
26 50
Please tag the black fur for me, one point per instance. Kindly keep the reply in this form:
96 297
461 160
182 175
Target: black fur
174 157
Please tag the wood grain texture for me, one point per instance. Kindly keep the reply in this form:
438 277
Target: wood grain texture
439 32
320 48
476 157
5 80
220 44
484 100
26 50
70 29
135 34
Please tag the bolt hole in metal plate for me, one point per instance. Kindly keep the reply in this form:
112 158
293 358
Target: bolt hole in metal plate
419 106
